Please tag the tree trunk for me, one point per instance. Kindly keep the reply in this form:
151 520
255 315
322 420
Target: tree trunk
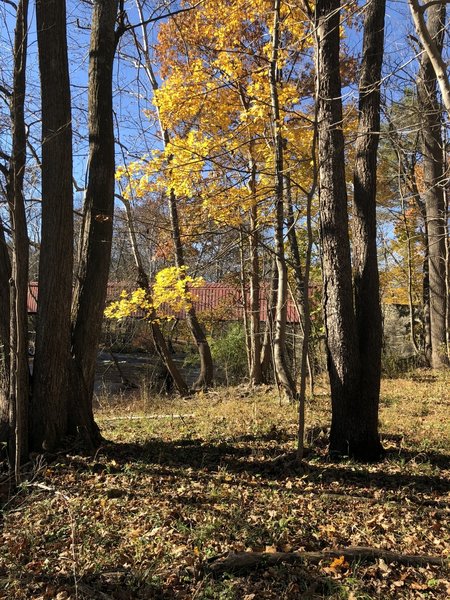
144 283
51 363
20 375
366 440
97 227
340 325
206 374
244 298
433 168
283 375
431 44
254 329
255 316
271 301
425 287
5 274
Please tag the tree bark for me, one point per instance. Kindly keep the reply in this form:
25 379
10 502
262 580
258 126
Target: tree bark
51 363
340 325
365 440
433 167
96 233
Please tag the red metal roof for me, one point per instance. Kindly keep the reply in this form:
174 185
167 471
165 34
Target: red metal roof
223 301
32 298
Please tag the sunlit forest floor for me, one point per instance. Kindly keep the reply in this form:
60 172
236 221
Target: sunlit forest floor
180 482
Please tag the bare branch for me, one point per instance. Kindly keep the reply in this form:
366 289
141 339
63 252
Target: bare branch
4 156
160 17
10 4
430 47
5 91
424 7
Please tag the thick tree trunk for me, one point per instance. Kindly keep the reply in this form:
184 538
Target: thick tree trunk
282 372
51 364
433 167
340 325
97 228
352 342
20 375
366 277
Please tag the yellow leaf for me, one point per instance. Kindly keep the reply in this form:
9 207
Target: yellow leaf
339 563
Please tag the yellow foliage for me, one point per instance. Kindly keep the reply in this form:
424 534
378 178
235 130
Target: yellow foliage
129 304
171 287
170 290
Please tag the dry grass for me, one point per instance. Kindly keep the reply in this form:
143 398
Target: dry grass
142 518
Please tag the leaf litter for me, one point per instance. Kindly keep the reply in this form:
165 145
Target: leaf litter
163 498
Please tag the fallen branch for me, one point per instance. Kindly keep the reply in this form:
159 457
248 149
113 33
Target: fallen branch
247 561
137 417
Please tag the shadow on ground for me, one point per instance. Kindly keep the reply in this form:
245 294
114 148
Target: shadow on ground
271 464
125 584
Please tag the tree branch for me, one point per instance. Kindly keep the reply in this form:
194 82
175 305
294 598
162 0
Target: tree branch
10 4
160 17
5 91
424 7
429 45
